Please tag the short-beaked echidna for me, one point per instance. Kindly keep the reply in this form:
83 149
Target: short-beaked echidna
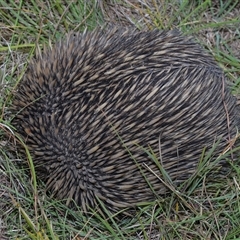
88 107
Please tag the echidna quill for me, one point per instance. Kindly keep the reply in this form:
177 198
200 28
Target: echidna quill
88 107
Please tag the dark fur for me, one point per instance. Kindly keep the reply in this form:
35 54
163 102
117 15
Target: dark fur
94 98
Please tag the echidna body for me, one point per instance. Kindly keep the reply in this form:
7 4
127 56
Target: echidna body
91 106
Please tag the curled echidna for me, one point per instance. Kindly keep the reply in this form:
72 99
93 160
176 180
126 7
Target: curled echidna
88 107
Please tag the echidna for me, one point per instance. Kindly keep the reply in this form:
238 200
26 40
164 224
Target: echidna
91 106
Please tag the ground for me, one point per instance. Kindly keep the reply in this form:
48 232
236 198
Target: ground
206 210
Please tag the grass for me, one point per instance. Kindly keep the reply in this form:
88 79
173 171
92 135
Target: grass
202 209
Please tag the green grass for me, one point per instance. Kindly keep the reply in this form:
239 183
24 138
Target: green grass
203 208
